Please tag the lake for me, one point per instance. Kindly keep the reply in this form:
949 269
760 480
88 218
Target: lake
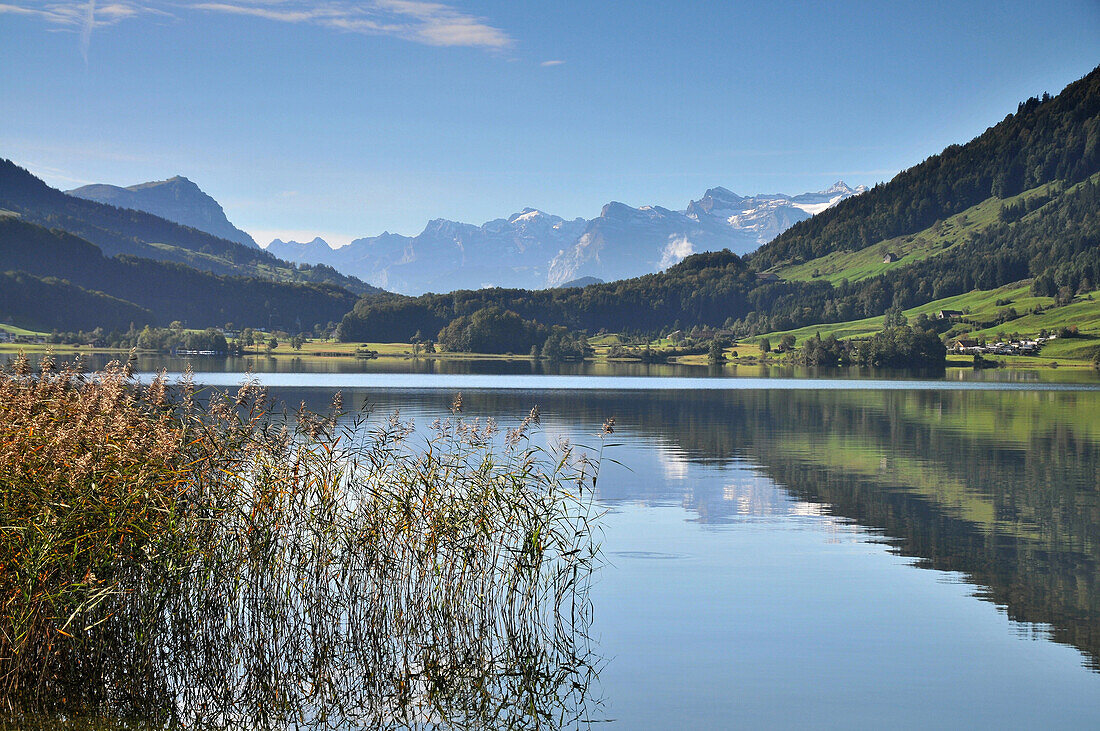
825 552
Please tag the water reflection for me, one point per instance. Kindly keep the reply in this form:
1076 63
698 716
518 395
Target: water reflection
1000 486
998 489
330 366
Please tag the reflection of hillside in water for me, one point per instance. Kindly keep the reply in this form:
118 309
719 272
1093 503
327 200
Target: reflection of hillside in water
1000 486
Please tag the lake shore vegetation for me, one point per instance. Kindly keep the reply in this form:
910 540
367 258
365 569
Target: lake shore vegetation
182 556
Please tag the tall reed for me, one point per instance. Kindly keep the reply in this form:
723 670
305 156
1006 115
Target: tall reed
196 558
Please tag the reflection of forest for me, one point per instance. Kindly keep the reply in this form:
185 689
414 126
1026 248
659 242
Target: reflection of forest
1002 486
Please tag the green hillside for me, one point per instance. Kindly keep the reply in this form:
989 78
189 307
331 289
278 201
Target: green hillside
41 303
1047 139
981 306
942 236
143 290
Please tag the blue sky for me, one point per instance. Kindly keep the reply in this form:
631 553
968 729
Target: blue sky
345 118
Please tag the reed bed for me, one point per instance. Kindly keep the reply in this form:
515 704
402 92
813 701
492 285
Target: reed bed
200 560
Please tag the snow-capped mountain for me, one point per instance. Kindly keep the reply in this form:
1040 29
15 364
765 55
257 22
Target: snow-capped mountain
627 242
448 255
533 249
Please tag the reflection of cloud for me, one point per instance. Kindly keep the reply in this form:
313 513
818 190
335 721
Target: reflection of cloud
755 496
810 510
420 21
673 465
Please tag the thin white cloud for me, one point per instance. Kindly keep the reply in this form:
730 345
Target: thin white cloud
554 62
79 15
676 250
86 31
419 21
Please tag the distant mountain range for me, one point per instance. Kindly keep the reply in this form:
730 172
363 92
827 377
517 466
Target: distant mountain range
176 199
533 249
529 249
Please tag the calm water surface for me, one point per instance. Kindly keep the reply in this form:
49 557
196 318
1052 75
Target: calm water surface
818 553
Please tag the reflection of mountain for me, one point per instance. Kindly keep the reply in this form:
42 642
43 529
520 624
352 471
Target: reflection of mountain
1000 486
987 484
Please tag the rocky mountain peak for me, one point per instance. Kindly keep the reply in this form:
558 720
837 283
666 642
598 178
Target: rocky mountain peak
176 199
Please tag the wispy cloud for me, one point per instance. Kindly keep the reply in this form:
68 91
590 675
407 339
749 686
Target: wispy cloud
79 15
82 16
554 62
86 31
419 21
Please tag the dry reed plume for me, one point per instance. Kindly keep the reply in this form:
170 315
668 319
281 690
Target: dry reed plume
193 559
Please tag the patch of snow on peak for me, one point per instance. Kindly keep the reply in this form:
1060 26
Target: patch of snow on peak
527 214
815 208
839 187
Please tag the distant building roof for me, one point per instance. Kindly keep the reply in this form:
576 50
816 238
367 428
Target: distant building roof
767 276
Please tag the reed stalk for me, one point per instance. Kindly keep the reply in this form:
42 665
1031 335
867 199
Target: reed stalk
199 559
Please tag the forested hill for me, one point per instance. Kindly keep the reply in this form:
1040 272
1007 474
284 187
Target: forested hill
1047 139
1020 202
54 280
704 288
125 231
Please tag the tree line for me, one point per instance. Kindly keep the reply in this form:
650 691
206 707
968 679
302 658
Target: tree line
145 291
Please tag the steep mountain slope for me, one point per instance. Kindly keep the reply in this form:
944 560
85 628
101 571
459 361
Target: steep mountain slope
1047 139
124 231
176 199
143 290
533 249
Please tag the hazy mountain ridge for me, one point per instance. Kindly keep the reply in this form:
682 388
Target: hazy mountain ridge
533 249
122 231
64 270
176 199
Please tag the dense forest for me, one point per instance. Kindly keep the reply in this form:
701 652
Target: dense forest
1056 242
1048 138
124 231
145 291
42 303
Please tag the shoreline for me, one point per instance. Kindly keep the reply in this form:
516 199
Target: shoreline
402 351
